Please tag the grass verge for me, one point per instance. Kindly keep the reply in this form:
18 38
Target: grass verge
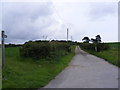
110 55
0 69
26 73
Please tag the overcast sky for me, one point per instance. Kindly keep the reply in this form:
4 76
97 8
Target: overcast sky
24 21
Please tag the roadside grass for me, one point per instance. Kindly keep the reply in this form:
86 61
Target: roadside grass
0 68
111 55
21 72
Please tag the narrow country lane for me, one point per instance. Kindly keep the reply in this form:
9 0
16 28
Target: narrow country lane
86 71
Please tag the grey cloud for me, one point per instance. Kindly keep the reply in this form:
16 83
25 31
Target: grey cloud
0 16
27 21
100 10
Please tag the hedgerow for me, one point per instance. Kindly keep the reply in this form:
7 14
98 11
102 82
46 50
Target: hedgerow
92 46
40 49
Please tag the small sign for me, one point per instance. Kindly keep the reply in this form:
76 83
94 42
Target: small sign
5 36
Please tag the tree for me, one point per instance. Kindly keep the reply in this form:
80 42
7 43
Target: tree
86 39
98 38
96 42
93 40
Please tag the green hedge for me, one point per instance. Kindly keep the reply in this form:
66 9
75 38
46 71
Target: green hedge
91 46
44 49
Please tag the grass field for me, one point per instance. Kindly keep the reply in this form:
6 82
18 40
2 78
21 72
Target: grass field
0 68
110 55
26 73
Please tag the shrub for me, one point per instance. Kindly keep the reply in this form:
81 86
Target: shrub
91 46
35 50
40 49
12 45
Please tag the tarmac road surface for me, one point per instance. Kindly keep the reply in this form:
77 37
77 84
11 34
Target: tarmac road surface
86 71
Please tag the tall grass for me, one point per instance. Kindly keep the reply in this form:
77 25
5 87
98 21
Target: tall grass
22 72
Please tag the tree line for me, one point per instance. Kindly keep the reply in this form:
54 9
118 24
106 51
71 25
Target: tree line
96 44
96 40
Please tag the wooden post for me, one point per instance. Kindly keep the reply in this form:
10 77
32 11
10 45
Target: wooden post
3 46
96 49
67 34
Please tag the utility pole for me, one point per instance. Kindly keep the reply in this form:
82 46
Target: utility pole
67 33
71 38
3 46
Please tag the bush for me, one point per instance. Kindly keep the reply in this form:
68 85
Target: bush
40 49
12 45
91 46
